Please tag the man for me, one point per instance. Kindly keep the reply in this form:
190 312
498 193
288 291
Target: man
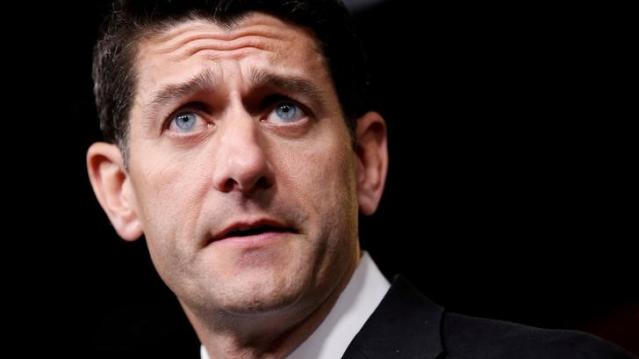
239 145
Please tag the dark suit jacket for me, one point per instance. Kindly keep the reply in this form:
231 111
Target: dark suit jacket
408 325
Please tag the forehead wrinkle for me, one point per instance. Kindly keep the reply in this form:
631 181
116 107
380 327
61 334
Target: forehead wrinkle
201 46
258 31
220 41
187 24
188 31
215 48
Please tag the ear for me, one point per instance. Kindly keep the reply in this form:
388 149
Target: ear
372 154
112 187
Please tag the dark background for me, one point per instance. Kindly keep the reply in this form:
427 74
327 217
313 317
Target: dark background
510 194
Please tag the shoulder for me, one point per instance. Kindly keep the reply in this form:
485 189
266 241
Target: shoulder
469 337
408 325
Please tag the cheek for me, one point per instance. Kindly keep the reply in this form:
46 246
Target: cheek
323 180
332 201
171 182
168 202
169 218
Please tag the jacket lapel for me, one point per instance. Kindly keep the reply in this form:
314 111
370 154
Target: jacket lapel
406 324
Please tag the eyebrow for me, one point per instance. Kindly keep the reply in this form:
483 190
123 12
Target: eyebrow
260 79
203 80
287 83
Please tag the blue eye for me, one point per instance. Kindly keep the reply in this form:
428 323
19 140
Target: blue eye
288 112
184 122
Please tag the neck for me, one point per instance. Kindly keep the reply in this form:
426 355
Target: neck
269 335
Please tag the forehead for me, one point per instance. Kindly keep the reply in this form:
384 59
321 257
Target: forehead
260 39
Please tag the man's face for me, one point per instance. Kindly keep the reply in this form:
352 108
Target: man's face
241 165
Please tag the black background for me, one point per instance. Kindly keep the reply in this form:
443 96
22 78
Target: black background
511 191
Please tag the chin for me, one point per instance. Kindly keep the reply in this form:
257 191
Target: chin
260 288
260 299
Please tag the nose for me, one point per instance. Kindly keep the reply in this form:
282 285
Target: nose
242 163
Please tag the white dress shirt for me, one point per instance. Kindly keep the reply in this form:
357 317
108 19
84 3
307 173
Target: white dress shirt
365 290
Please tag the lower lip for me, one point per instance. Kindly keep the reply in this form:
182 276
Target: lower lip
256 240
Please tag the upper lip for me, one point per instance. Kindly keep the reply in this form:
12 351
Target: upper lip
250 224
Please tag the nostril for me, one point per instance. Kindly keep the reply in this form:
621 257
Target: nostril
231 184
263 182
228 185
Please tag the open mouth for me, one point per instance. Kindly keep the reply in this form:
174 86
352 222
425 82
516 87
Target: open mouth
257 230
